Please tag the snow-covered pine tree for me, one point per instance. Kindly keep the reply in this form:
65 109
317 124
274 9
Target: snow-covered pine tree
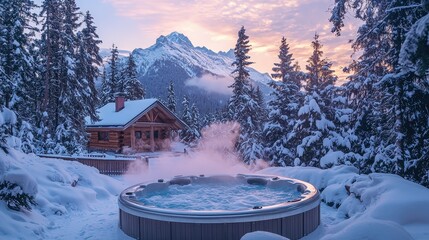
258 95
243 107
241 85
387 37
133 88
16 25
103 93
196 120
18 68
171 98
88 60
283 109
70 135
50 59
208 119
68 59
112 84
414 71
315 131
250 140
191 134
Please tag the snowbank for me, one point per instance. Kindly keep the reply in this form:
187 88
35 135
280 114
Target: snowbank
258 235
61 189
374 206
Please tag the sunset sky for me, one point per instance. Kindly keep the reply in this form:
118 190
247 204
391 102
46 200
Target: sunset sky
134 24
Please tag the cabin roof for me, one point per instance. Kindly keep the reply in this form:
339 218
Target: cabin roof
131 112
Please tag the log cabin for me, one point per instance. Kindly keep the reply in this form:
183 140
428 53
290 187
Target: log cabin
141 125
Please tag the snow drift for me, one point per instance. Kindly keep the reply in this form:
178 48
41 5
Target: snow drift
374 206
61 188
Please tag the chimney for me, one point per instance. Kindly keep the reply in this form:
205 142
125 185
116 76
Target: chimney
119 101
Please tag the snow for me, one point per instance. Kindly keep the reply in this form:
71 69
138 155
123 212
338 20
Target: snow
311 107
416 37
324 124
258 235
355 206
7 116
331 158
23 179
109 117
87 210
378 206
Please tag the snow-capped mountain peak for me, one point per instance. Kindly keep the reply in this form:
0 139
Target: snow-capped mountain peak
195 71
174 37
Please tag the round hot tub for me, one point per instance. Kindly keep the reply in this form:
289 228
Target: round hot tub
219 207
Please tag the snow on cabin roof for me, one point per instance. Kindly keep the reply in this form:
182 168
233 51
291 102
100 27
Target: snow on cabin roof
109 117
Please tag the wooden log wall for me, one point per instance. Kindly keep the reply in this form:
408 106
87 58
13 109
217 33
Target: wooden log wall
116 140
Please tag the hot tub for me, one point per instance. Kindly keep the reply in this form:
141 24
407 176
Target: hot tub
219 207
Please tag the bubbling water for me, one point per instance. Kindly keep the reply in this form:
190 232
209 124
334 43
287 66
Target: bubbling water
215 196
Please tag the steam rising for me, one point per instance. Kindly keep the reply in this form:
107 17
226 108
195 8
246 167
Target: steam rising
214 154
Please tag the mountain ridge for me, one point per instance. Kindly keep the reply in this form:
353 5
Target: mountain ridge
197 72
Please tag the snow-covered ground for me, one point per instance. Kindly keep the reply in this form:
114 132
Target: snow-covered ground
76 202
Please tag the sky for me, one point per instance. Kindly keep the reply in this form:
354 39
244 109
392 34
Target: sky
131 24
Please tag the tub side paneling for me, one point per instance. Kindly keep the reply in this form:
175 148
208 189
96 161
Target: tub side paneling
154 229
292 227
129 224
213 231
186 231
237 230
273 225
311 220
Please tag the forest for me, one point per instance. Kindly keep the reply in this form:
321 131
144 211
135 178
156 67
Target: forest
378 121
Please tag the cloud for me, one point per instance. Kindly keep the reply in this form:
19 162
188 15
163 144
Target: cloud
215 24
212 83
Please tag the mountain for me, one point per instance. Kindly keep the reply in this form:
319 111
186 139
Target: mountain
197 72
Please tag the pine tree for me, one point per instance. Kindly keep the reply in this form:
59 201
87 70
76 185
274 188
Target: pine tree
112 84
68 71
171 98
15 38
388 91
191 134
18 68
196 120
70 131
285 70
104 89
133 88
50 61
315 133
7 123
283 109
88 60
241 85
243 105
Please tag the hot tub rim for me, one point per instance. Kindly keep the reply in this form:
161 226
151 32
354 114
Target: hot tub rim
281 210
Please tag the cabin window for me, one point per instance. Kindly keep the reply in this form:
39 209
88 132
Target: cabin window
147 133
138 134
156 134
103 136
